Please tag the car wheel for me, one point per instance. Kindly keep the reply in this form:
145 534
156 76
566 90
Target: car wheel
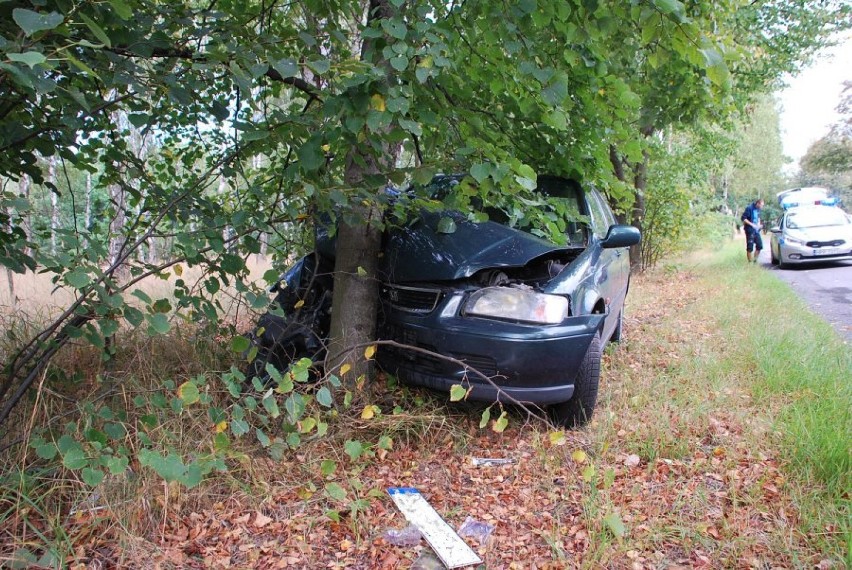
578 410
772 257
781 264
619 328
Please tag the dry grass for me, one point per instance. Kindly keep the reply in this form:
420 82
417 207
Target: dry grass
681 452
36 297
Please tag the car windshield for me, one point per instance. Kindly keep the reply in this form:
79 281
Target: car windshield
817 218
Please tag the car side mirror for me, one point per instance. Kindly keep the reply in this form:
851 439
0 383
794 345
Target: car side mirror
775 230
621 235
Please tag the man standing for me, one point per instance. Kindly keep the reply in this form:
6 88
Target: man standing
751 224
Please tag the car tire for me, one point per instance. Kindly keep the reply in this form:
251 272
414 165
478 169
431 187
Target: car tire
578 410
772 257
618 333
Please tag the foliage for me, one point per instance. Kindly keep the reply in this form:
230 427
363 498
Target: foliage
758 160
211 130
828 161
680 192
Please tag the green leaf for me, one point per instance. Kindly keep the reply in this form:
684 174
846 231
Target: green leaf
114 430
170 468
328 467
319 65
324 397
158 323
287 67
122 9
77 278
311 155
457 393
188 393
294 440
480 171
670 7
270 404
353 449
74 458
501 423
96 30
399 63
615 525
117 465
335 491
46 450
262 437
134 316
240 344
446 225
32 22
395 28
30 58
232 264
608 478
555 92
486 415
93 477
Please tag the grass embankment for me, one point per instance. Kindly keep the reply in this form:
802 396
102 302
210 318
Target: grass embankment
721 441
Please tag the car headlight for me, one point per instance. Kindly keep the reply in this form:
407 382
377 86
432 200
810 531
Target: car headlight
794 241
518 305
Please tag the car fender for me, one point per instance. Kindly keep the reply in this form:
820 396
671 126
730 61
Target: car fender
578 281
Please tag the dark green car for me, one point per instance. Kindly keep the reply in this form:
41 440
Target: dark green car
491 307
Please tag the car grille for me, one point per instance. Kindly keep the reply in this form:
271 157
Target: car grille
834 243
433 364
411 299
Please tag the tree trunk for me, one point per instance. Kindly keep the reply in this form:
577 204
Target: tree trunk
10 278
54 204
24 186
355 302
637 217
117 238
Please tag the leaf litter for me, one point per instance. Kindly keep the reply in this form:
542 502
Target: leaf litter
624 493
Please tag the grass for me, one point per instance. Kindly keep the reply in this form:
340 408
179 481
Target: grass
714 444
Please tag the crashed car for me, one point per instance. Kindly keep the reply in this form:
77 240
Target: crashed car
522 319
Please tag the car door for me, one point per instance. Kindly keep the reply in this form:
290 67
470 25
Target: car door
614 267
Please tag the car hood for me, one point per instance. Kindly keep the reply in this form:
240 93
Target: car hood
825 233
419 252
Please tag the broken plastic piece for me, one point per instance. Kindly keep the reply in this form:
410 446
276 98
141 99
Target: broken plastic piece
427 561
476 529
489 461
408 536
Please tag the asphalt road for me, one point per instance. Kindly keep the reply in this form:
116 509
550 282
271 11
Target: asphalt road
825 287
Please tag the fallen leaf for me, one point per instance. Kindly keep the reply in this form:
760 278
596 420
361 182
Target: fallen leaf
261 520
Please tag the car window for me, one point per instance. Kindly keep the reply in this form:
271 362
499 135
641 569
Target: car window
828 216
601 216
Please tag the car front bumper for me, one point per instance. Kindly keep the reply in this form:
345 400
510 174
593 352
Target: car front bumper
792 253
522 362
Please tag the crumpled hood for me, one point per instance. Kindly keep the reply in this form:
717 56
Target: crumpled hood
420 253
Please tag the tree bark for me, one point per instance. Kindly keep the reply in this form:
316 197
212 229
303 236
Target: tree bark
640 184
355 301
54 204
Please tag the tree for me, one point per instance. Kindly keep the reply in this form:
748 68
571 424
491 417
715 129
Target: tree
333 94
828 161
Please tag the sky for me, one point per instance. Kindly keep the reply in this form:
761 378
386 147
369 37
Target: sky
808 102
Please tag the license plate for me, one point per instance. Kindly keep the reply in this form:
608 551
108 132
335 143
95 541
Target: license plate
826 251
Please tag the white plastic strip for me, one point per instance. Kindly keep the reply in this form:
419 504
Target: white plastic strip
449 546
